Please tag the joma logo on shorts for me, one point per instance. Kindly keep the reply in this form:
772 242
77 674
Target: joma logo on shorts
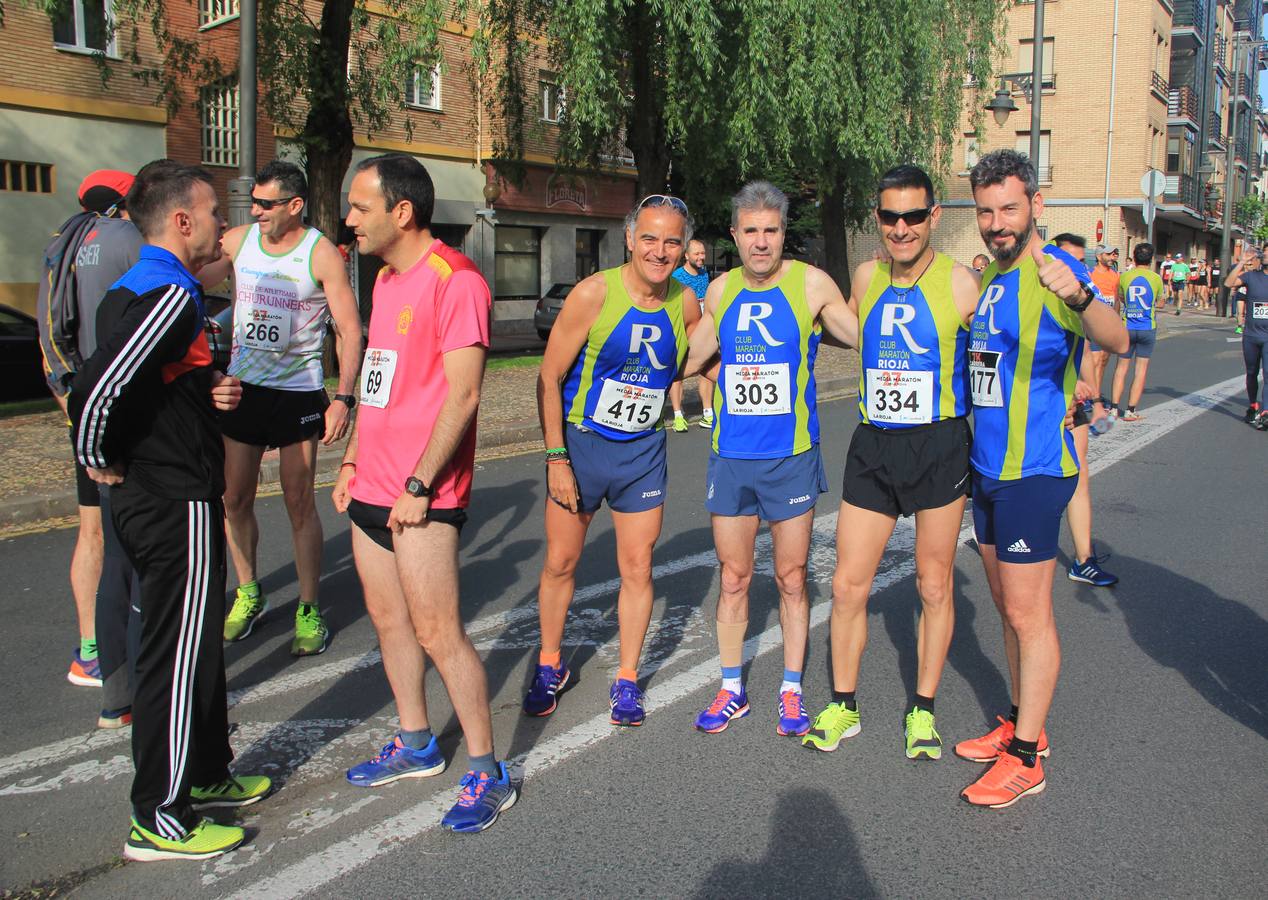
304 420
647 494
802 499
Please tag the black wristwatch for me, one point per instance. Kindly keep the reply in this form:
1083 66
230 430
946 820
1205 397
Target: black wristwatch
1088 296
415 487
349 400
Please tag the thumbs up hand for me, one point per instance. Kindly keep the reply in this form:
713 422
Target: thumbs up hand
1061 273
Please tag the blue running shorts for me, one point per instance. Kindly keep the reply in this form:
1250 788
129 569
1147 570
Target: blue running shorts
630 475
772 489
1021 519
1141 343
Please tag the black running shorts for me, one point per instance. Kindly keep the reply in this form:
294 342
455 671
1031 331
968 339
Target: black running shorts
269 417
372 520
899 471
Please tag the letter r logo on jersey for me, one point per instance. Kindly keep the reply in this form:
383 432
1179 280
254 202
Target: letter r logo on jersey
992 295
1138 294
753 314
642 337
897 315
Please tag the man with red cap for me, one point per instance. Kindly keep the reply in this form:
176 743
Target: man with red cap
89 252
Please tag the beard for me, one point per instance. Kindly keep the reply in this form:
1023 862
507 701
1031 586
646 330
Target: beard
1006 256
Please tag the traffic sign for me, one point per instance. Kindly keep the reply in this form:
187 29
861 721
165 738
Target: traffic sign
1147 211
1153 183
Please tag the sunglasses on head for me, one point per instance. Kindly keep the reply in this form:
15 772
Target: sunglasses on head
269 204
889 218
654 200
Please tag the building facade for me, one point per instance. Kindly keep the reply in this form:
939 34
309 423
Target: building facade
526 235
1127 86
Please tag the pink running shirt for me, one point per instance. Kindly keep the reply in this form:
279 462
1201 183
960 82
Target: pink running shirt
440 304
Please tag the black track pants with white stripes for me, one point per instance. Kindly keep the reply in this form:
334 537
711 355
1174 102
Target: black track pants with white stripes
179 717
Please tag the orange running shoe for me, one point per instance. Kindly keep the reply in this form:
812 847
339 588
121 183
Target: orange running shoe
1005 783
991 745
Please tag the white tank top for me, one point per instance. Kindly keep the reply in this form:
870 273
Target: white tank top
279 315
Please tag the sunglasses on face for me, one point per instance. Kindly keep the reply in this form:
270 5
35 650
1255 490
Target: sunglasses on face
654 200
266 205
889 218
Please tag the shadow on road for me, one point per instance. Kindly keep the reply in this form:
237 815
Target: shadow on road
1217 644
794 852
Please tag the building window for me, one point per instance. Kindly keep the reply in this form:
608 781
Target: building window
552 101
26 177
84 25
220 105
213 12
517 262
422 89
1026 60
588 240
1045 163
971 154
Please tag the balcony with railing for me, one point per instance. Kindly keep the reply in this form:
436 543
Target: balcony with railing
1182 189
1215 130
1159 86
1219 52
1242 152
1188 24
1182 105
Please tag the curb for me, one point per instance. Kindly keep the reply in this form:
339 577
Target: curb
59 504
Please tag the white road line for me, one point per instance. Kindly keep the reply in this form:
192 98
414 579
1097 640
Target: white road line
342 857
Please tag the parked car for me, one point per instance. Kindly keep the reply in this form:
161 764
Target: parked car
219 330
21 362
548 308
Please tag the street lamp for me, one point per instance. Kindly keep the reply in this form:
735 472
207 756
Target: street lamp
1031 84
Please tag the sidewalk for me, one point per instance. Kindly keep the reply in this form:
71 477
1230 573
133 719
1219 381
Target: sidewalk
39 479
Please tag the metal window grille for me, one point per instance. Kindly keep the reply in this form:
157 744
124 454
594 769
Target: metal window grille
212 11
26 177
220 112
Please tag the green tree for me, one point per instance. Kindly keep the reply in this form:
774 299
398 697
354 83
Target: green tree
1251 213
827 92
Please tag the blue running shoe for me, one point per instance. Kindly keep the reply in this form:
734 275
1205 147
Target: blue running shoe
483 797
626 703
792 715
397 761
1090 572
547 684
725 707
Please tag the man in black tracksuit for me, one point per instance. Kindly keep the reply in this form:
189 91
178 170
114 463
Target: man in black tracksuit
144 413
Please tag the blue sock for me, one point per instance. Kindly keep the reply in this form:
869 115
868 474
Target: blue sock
486 764
732 679
416 740
792 681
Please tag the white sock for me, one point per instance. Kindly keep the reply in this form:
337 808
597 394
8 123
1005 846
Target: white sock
678 412
790 686
734 685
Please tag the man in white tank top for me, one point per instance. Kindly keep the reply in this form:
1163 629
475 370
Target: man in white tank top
289 281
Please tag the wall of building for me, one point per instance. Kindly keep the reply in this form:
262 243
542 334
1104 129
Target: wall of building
75 145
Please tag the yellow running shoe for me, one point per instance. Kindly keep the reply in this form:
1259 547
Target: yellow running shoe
206 840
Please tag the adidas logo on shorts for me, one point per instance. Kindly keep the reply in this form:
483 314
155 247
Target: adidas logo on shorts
1019 546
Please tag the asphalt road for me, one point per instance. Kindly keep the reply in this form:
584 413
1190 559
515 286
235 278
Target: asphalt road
1157 782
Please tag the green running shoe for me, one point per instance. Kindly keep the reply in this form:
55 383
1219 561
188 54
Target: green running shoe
922 739
247 610
311 634
680 422
205 841
836 723
242 790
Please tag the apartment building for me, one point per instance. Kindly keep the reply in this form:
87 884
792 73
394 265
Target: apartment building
1157 93
62 122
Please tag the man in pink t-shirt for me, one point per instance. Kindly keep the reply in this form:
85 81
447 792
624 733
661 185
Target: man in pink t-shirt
406 478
